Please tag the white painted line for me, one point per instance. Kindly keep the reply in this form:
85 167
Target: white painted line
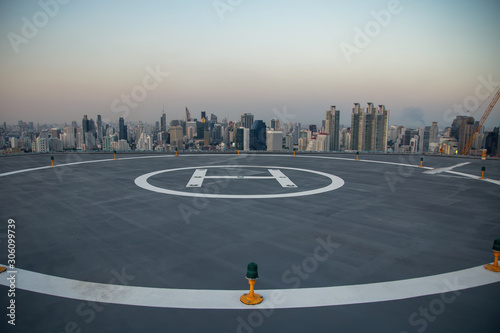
336 182
240 177
281 178
197 178
229 299
440 170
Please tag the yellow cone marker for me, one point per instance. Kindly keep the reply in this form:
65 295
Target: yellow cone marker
251 298
176 152
51 160
483 169
421 161
496 252
114 152
357 156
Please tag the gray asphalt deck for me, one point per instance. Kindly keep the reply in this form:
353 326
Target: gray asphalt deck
388 222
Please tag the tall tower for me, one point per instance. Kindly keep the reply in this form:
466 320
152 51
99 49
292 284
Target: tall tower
122 129
370 121
247 120
163 121
188 115
332 125
357 128
99 128
381 129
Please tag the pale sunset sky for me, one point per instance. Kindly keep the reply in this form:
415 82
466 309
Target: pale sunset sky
291 59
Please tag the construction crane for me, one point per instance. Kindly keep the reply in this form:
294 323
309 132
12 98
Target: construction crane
481 122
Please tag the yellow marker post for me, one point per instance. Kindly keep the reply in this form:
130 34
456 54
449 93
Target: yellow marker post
251 298
293 151
483 157
51 160
176 154
483 169
496 252
114 152
238 151
357 156
421 161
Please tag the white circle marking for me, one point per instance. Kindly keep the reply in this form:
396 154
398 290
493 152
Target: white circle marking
336 182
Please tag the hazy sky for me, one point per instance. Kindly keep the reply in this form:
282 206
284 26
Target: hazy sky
277 58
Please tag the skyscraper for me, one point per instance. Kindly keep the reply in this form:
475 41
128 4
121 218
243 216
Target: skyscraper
381 129
357 128
163 122
274 140
188 115
258 135
369 122
176 136
332 124
433 138
467 126
99 128
247 120
122 129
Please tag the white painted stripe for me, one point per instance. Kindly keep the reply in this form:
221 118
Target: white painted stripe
229 299
241 177
197 178
440 170
281 178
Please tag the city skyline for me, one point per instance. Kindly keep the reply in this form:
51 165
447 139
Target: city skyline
275 60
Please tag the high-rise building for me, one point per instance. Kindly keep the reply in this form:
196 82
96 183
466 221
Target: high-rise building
369 128
258 135
332 124
99 128
247 120
357 127
466 129
426 139
238 141
274 140
188 115
433 135
163 122
176 136
381 129
122 129
275 124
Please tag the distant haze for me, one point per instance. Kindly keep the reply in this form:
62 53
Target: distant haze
298 58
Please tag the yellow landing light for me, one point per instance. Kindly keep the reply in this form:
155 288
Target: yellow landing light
496 252
251 298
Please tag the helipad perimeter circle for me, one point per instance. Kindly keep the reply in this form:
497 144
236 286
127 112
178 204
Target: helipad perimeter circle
336 182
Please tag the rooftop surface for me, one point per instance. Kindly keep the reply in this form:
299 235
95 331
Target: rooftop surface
161 243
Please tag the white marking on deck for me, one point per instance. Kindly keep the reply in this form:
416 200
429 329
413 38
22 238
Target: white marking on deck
445 169
281 178
197 178
230 299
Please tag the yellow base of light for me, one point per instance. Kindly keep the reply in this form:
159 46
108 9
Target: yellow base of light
482 175
492 268
238 152
420 165
357 158
52 164
245 299
293 153
114 157
2 269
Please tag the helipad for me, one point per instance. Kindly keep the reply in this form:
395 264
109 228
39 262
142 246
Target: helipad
383 240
